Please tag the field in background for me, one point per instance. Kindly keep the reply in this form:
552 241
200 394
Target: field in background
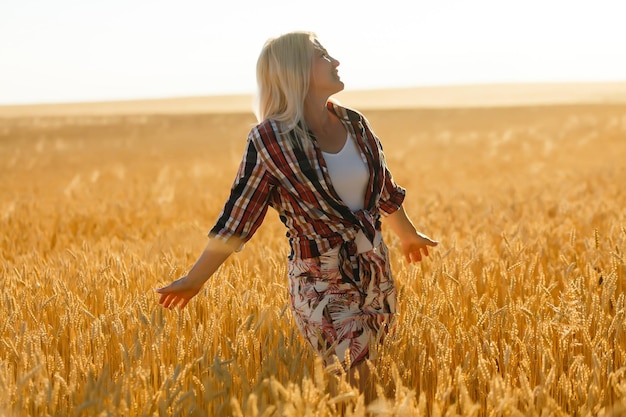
487 95
519 311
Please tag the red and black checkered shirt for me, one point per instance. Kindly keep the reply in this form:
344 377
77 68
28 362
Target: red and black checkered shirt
294 180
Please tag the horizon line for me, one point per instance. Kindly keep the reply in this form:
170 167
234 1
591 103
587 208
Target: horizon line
444 95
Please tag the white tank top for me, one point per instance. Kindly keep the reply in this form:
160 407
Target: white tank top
350 176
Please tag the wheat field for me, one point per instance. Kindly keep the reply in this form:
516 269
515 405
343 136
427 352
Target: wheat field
519 311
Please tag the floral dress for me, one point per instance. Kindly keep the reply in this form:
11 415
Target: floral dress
338 315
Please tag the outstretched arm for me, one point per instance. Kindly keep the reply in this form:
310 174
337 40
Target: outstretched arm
179 292
414 243
251 188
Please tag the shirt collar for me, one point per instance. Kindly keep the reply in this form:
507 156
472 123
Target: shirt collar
342 112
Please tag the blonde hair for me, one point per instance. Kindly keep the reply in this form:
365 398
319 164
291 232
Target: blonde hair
283 72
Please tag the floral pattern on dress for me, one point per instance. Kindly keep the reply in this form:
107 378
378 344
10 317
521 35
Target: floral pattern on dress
335 315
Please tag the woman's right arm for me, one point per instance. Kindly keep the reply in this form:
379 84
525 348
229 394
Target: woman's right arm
179 292
242 215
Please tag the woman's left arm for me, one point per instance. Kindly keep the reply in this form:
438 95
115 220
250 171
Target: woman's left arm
414 243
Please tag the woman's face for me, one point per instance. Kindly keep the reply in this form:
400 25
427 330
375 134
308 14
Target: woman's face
324 76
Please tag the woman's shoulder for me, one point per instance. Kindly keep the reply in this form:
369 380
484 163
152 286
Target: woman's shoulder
268 133
266 130
265 127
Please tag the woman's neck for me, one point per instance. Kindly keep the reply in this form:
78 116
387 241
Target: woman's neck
316 114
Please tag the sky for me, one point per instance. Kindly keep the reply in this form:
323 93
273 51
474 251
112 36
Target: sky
99 50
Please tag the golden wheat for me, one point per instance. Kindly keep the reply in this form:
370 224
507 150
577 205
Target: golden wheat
519 311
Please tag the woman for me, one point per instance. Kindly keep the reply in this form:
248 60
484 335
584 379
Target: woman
321 167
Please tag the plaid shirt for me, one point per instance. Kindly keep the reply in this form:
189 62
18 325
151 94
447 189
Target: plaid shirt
294 180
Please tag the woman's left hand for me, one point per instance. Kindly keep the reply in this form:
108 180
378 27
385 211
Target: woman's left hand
415 246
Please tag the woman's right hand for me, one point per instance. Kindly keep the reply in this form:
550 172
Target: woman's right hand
178 293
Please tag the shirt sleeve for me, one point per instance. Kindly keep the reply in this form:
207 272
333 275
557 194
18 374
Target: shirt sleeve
392 195
247 205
